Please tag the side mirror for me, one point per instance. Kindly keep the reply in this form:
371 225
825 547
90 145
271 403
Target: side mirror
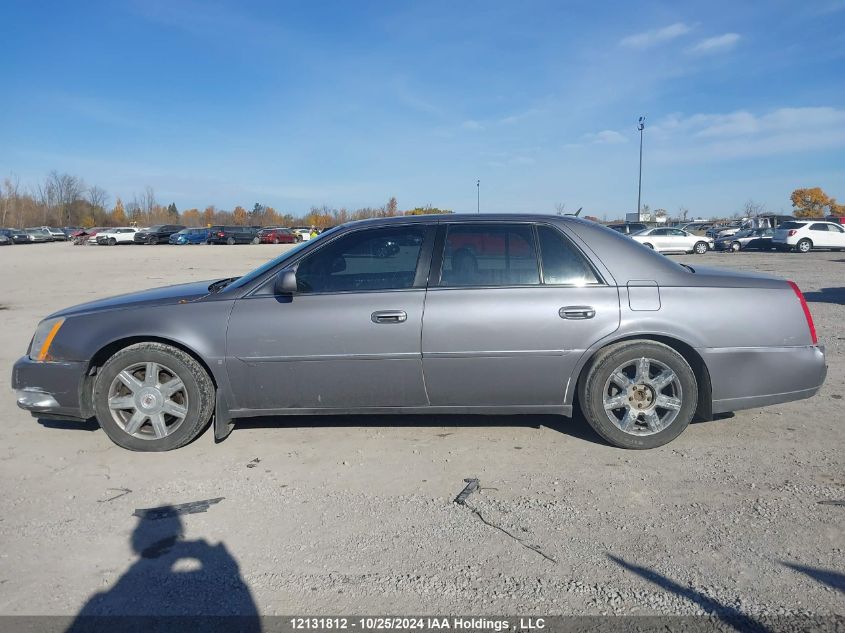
285 282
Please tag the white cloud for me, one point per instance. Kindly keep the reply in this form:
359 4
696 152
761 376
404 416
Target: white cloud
472 124
745 134
648 39
717 44
605 137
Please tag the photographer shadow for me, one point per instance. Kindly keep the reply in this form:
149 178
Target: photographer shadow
174 585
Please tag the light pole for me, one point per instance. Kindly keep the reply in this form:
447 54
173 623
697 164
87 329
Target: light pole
640 127
478 196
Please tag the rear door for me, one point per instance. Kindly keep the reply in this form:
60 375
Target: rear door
510 309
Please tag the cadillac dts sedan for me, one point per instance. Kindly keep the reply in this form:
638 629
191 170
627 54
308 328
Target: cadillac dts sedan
490 314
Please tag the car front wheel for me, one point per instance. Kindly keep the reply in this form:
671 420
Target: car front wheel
152 397
736 246
700 248
639 394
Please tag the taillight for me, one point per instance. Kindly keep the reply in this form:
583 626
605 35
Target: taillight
221 234
792 232
806 309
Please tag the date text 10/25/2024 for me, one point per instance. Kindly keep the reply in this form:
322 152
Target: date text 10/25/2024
465 624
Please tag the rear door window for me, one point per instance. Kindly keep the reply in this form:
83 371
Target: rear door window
489 255
562 263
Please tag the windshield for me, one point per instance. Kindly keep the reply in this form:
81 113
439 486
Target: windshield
258 272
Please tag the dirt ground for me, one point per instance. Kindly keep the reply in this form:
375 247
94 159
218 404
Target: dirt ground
355 515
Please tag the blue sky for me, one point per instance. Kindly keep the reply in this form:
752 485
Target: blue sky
348 103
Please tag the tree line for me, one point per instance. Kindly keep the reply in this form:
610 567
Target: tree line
66 200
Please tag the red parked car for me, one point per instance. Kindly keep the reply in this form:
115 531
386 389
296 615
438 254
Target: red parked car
278 236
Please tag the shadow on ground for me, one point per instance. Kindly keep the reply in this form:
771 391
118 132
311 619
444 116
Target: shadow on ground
173 578
727 614
576 427
827 295
832 579
90 424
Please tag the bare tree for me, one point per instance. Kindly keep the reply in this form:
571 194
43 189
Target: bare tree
560 208
683 212
752 209
11 197
98 198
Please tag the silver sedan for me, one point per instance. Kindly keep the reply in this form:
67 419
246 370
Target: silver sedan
490 314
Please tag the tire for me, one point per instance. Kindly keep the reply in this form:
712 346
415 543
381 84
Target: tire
804 246
275 240
700 248
230 241
256 240
197 393
622 359
736 247
112 241
152 240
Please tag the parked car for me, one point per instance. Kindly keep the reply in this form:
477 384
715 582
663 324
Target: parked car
115 236
278 236
56 235
190 236
302 231
628 227
804 236
82 236
157 234
746 240
233 235
70 230
696 228
16 236
722 230
669 240
37 234
501 335
5 240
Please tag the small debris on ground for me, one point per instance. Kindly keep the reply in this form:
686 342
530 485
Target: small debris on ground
192 507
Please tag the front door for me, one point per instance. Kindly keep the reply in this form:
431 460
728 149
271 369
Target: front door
498 329
349 338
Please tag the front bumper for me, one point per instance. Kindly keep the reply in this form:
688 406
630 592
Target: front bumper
751 377
52 388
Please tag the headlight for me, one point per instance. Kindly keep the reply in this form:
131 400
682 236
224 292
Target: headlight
44 335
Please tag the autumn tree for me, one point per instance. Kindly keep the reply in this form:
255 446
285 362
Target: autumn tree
239 215
191 217
118 214
427 210
814 203
208 215
392 207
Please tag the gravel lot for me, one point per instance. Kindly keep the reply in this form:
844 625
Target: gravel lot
354 515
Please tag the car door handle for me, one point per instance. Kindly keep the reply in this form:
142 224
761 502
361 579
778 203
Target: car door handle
389 316
577 312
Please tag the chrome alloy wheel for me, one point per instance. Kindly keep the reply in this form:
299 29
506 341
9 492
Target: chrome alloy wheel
642 397
148 400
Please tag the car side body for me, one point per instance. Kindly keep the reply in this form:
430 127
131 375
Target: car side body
407 320
232 235
157 234
117 235
673 240
746 240
190 236
806 235
278 236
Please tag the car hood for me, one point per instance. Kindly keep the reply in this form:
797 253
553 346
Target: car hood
155 296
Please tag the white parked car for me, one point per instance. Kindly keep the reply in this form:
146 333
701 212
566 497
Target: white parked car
119 235
305 233
671 240
805 235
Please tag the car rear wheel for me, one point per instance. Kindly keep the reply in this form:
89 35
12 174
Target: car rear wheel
736 247
639 394
152 397
700 248
255 240
804 246
230 241
152 240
